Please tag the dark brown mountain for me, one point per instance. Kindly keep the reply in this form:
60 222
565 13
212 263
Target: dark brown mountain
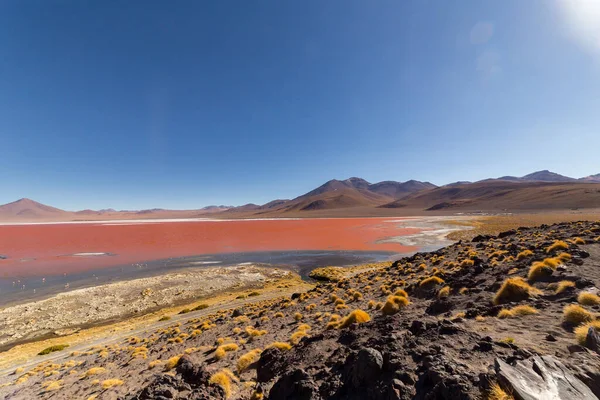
399 189
591 179
29 209
497 195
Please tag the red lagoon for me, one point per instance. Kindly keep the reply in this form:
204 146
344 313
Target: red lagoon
40 249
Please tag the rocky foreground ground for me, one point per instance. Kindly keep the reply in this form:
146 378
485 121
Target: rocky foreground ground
493 318
68 311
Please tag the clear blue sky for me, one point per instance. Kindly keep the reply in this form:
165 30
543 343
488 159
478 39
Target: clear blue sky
140 104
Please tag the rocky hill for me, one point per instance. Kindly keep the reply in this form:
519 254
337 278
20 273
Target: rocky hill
516 313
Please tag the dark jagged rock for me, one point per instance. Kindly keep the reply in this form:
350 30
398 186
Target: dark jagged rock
295 385
511 232
190 384
439 306
541 378
162 387
364 367
592 340
192 373
269 364
481 238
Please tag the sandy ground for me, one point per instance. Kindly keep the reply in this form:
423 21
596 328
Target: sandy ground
84 307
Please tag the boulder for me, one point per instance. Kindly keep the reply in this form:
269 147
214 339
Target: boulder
592 340
363 368
541 378
295 385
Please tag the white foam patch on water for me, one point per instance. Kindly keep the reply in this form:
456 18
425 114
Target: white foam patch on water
89 254
204 262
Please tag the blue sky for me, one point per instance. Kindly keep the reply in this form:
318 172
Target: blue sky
142 104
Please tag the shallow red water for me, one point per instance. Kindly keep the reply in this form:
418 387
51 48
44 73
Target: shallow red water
47 249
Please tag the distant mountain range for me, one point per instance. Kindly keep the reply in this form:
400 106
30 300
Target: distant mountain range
540 190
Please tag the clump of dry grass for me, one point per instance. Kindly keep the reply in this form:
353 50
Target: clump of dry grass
539 270
552 262
578 240
393 304
52 385
172 362
298 316
444 292
515 289
280 345
297 336
154 363
222 350
431 282
563 285
575 315
588 299
517 311
460 314
582 330
253 332
94 371
524 254
355 317
496 393
557 245
108 383
52 349
223 379
248 359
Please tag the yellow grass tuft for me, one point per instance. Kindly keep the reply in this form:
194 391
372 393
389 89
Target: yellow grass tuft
553 262
524 254
172 362
298 316
280 345
248 359
393 304
94 371
575 315
538 270
557 245
496 393
401 293
222 350
108 383
52 385
588 299
154 363
430 282
582 330
253 332
564 257
444 292
222 379
517 311
355 317
564 285
515 289
578 240
297 336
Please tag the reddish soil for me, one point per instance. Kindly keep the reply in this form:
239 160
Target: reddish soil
46 249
